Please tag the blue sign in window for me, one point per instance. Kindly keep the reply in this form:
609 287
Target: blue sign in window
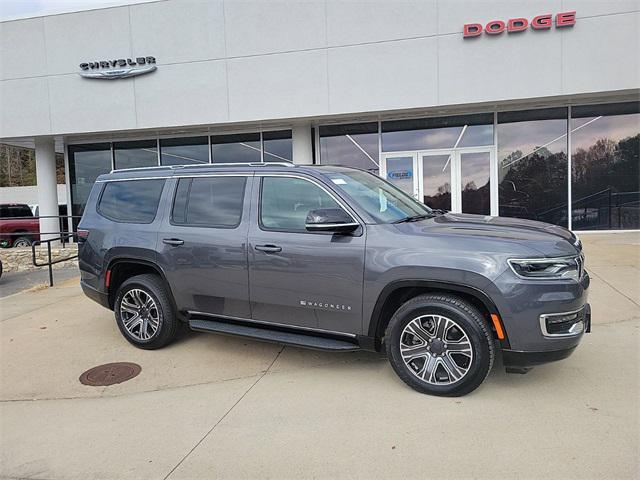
400 175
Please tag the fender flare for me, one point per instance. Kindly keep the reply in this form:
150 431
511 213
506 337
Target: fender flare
377 321
116 260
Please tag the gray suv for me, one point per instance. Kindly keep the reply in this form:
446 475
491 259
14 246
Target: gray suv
331 258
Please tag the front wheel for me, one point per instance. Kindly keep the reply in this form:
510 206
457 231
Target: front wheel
144 312
439 344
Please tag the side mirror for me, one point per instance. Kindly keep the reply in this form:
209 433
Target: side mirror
330 220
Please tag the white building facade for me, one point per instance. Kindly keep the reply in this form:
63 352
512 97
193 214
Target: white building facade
518 108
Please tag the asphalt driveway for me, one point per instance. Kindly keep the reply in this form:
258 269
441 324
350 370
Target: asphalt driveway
220 407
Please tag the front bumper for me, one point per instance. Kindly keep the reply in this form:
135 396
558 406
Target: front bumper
523 303
526 359
516 359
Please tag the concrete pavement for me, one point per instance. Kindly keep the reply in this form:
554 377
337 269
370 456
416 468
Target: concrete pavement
220 407
15 282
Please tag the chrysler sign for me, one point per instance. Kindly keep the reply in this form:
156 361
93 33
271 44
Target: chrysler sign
513 25
119 68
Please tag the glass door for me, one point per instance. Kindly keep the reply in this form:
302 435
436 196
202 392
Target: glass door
435 179
400 170
461 180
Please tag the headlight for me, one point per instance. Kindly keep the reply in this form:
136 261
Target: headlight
547 268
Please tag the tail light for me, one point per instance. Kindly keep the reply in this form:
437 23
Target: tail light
82 235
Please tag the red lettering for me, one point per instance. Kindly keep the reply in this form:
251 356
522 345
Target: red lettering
517 25
541 22
472 29
494 27
566 19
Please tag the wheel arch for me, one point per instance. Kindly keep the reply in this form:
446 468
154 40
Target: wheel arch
120 269
398 292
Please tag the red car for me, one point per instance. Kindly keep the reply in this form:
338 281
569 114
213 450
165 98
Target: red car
18 226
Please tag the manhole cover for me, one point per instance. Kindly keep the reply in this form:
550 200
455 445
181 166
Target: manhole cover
110 374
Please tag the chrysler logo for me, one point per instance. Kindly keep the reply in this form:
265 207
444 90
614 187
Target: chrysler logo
120 68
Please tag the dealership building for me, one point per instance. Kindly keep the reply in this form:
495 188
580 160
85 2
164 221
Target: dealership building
524 109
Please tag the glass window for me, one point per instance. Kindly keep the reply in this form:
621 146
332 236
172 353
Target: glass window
476 183
383 201
15 211
86 163
278 146
354 145
209 201
605 189
532 165
135 154
184 151
286 202
131 201
436 180
236 148
437 133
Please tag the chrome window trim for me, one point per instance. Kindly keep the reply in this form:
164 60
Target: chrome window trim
262 322
543 324
332 225
574 258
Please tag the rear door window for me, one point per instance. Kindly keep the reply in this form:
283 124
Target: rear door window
209 202
132 201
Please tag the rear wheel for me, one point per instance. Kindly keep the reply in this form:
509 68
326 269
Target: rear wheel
22 242
144 312
440 345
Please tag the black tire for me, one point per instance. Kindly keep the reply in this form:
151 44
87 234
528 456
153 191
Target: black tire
168 323
22 242
460 315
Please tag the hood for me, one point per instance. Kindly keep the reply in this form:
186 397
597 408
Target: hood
543 238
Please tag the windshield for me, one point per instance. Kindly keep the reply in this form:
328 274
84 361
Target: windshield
384 202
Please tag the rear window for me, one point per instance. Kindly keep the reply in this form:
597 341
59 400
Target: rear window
209 202
134 201
13 211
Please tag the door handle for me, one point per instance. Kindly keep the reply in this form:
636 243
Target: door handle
176 242
268 248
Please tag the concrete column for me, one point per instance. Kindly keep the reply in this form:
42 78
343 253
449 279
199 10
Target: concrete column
302 149
47 186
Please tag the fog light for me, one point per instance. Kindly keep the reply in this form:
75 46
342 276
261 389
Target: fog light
566 324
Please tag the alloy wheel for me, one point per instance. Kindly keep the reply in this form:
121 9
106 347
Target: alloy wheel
139 313
21 243
436 349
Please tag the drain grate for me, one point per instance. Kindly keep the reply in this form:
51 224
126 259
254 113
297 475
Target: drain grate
110 374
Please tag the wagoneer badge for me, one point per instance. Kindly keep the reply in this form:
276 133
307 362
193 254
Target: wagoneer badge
120 68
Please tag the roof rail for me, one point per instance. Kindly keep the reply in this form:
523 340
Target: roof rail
208 165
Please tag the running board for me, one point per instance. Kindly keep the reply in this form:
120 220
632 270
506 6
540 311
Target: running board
277 336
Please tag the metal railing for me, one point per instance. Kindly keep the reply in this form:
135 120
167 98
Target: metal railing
50 262
7 238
